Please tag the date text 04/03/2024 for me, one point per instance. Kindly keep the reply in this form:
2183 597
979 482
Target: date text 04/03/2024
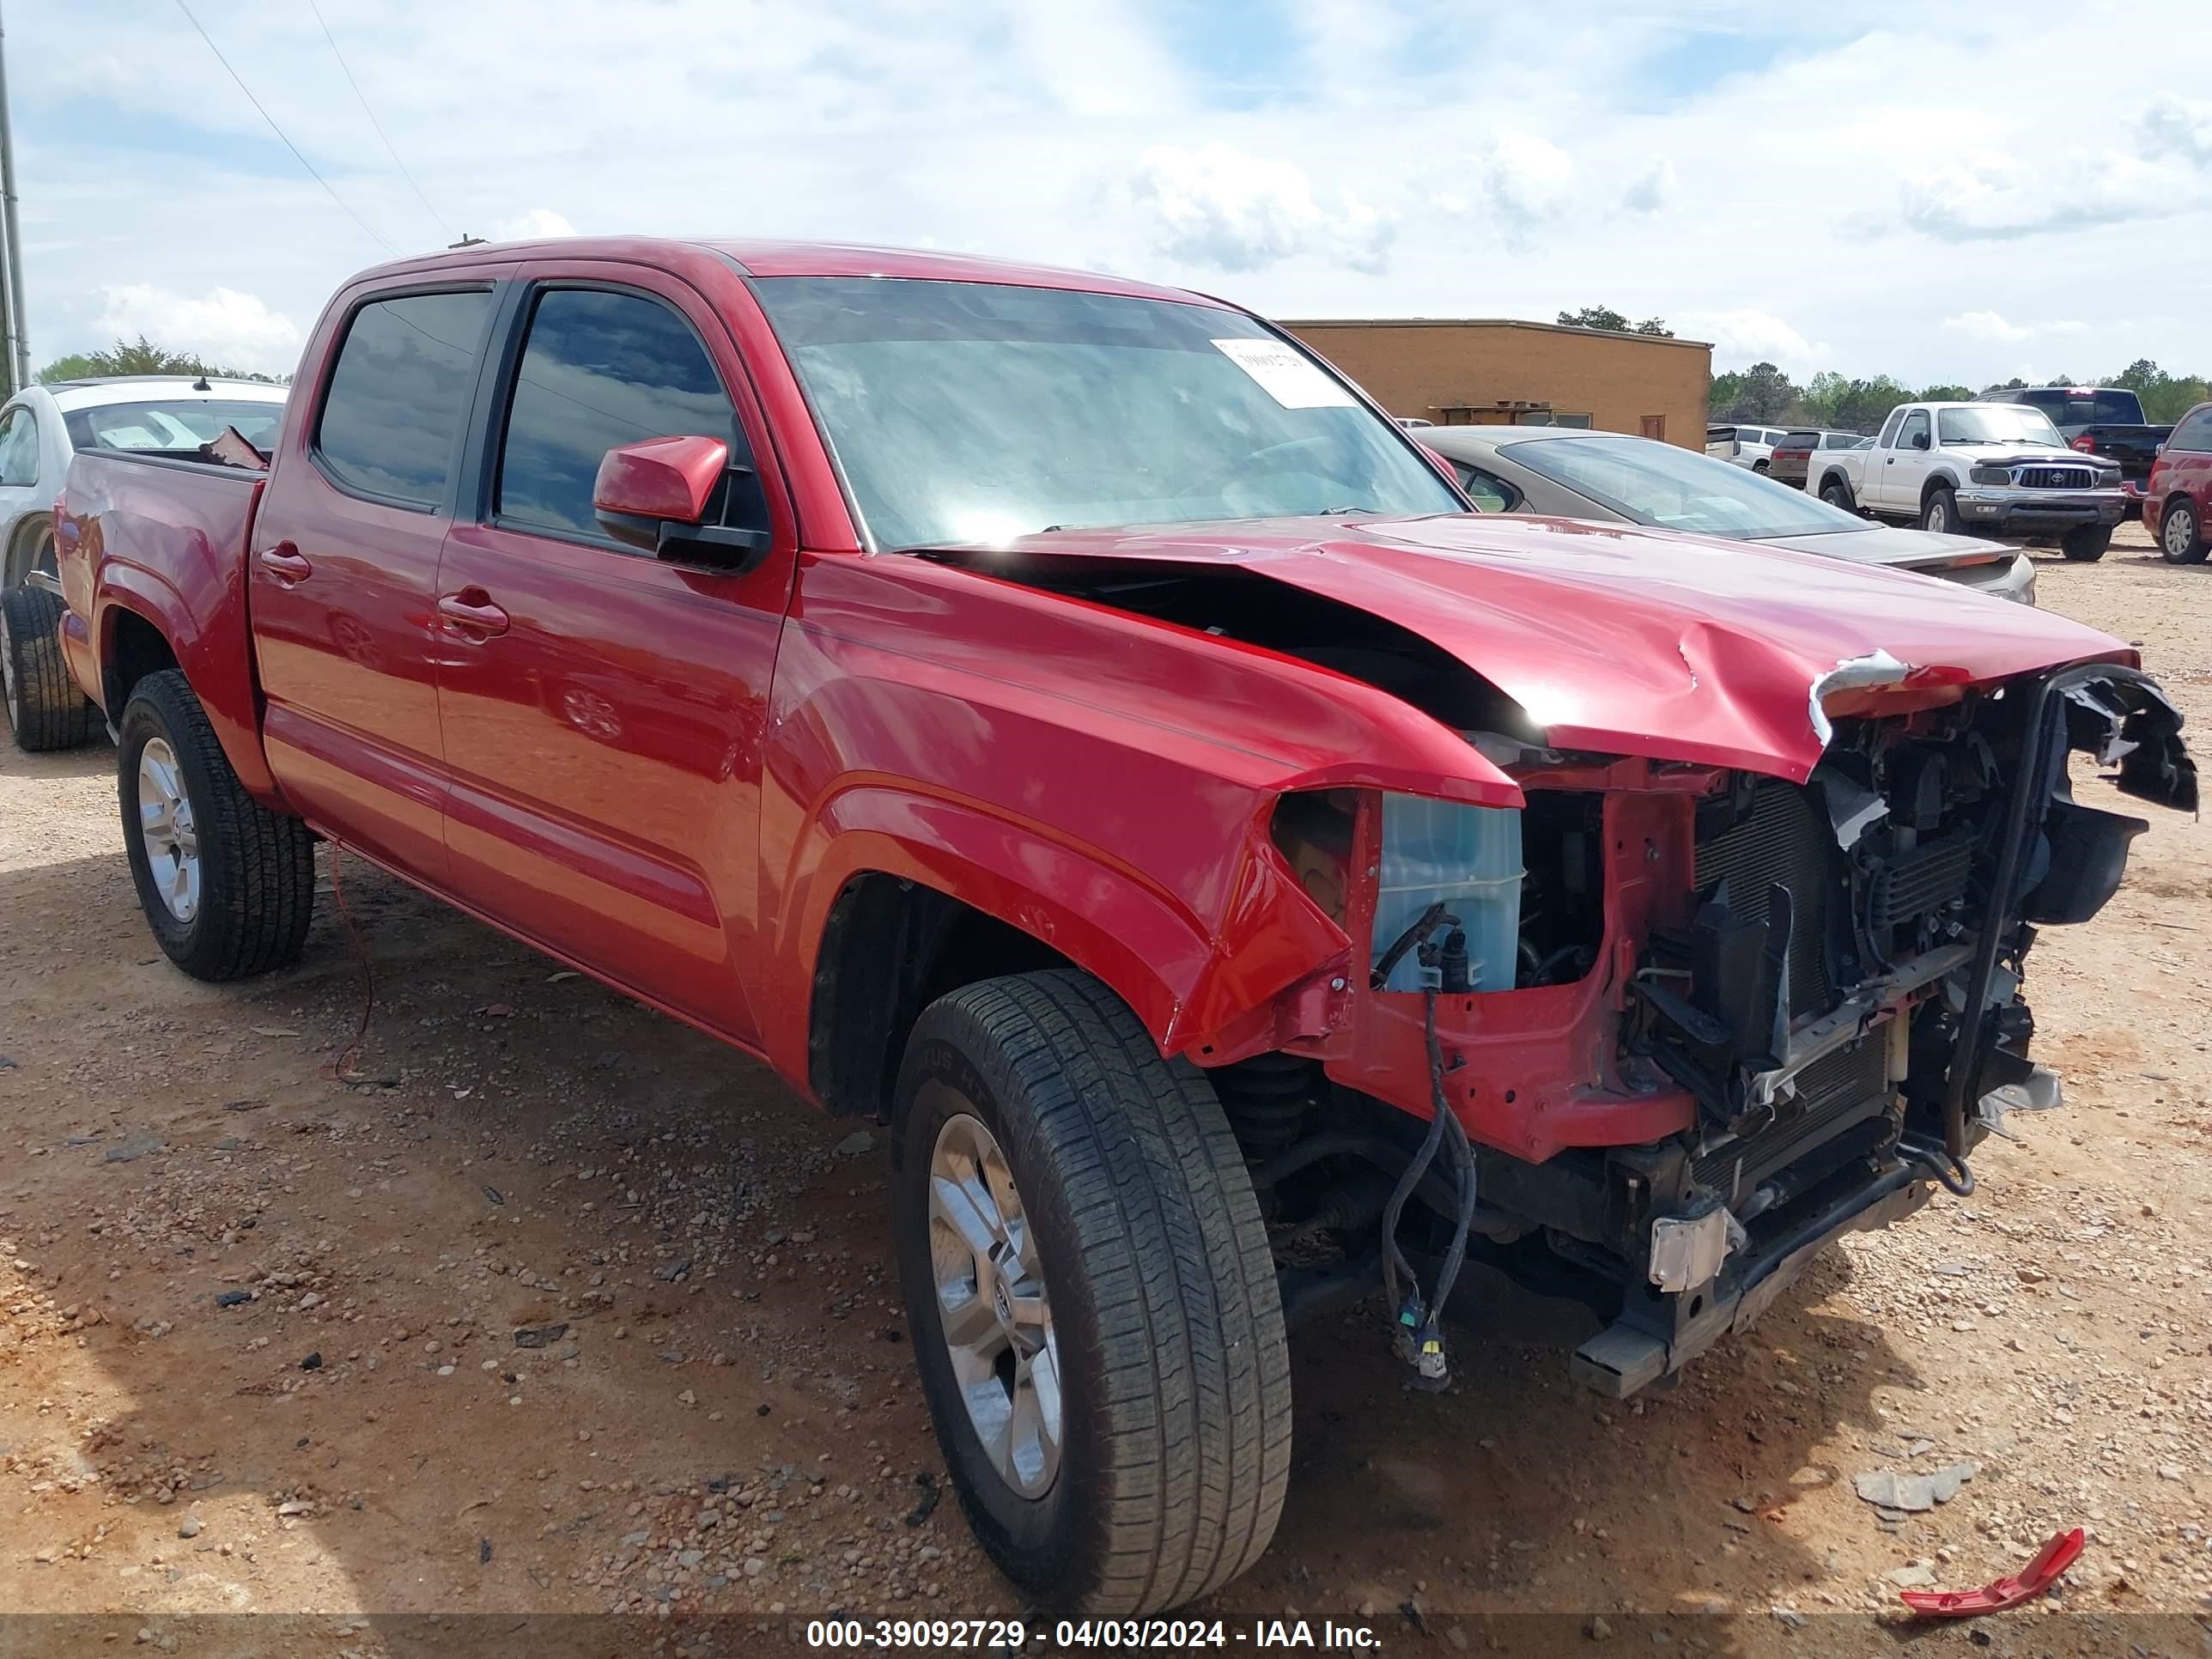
1177 1633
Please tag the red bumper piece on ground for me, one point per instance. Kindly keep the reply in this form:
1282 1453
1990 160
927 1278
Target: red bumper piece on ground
1999 1593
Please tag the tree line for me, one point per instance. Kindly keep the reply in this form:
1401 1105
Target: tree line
1764 393
142 357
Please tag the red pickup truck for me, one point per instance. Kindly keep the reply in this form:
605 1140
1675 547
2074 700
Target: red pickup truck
1065 720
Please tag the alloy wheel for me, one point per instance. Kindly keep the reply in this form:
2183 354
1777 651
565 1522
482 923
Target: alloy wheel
166 826
991 1306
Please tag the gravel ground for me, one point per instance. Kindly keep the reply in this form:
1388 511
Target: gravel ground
568 1310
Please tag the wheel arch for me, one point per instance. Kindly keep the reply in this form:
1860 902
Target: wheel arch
891 919
1935 481
28 527
141 624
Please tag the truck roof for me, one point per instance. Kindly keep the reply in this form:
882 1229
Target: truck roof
761 257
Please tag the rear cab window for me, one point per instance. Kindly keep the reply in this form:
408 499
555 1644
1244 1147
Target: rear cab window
391 422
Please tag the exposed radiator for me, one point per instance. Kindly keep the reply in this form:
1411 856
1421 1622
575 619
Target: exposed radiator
1782 841
1833 1093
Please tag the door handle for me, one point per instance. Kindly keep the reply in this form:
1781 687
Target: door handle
475 618
285 563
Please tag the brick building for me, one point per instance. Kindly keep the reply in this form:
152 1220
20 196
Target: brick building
1488 371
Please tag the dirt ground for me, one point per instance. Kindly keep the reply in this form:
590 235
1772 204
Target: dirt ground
575 1312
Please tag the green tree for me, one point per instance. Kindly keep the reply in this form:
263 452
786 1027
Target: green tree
1945 394
1595 317
1761 392
1656 325
142 357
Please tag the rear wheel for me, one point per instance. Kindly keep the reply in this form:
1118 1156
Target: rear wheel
2085 544
1092 1300
1837 493
45 708
2181 533
1940 512
227 885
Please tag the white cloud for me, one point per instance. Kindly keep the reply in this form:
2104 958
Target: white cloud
1219 208
1525 179
536 225
236 329
1652 189
1990 325
2170 127
1747 335
1995 195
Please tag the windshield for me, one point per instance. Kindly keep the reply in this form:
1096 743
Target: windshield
1997 423
974 412
1658 484
179 424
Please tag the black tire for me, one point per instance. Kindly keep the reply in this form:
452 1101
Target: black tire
1837 493
256 868
2181 533
1762 466
2085 544
1174 1374
45 708
1938 513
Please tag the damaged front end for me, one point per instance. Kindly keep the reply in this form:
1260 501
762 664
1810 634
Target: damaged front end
1696 1021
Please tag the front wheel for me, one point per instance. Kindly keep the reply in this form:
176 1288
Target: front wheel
2085 544
1092 1299
226 885
45 708
2181 536
1940 513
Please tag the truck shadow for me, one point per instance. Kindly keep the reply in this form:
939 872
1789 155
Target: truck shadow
708 1264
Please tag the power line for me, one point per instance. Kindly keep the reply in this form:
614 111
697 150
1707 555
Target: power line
378 124
278 130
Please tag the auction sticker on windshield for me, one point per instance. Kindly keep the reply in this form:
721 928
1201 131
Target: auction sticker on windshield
1283 376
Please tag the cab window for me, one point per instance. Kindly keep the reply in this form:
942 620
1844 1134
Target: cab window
601 369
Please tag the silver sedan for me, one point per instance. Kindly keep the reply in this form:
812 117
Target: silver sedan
1569 473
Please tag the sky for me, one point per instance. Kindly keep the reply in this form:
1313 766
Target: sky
1939 192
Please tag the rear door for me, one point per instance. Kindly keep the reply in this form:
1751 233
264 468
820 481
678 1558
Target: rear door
343 563
604 728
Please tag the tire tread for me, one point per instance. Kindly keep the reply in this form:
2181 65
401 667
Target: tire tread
50 713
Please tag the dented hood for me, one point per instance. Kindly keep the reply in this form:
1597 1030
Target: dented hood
1618 638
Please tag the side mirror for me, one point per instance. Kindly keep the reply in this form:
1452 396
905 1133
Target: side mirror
656 495
1920 440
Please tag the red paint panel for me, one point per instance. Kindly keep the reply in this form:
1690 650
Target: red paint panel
184 530
1619 639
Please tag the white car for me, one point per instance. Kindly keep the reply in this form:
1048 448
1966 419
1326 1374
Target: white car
41 427
1744 446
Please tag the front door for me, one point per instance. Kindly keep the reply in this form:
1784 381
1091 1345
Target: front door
1904 468
342 572
603 709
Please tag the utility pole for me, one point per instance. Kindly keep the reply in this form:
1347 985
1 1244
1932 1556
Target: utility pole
17 337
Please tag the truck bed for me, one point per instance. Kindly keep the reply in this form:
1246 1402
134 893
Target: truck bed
166 538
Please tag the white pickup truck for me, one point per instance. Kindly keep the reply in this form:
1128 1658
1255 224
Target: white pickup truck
1992 469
